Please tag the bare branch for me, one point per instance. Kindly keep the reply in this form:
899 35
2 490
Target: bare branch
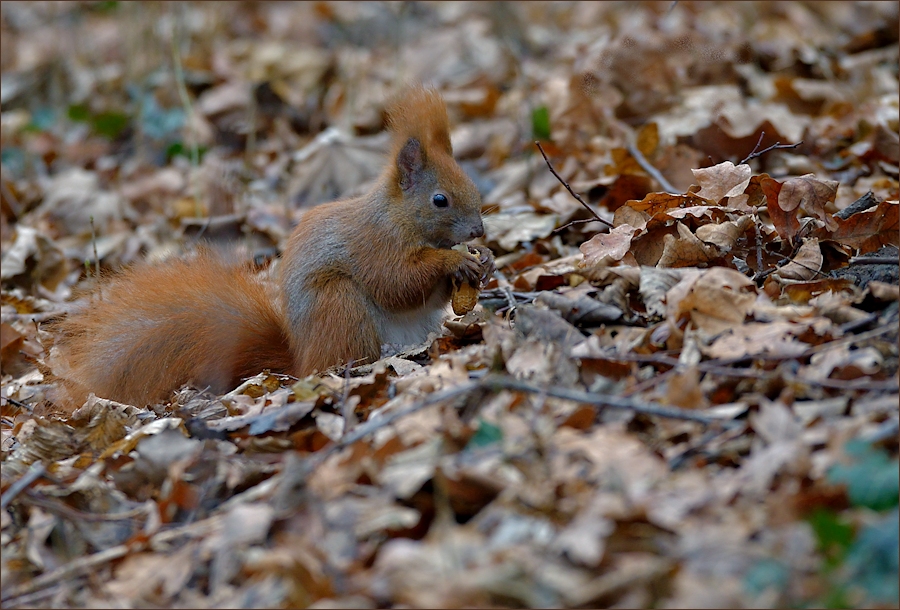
568 188
776 146
654 173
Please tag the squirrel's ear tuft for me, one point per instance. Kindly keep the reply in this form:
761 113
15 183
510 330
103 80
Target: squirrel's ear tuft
420 113
410 163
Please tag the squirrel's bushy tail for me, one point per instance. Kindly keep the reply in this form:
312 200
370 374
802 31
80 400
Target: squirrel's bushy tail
152 328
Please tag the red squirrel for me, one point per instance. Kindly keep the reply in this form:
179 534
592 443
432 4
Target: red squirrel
355 274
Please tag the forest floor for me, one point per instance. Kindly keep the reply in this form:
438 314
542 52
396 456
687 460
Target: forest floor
679 389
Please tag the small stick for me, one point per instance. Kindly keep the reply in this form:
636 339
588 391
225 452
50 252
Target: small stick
31 475
31 317
776 146
14 206
574 222
94 245
860 205
604 400
347 410
568 188
759 245
654 173
77 567
874 260
57 507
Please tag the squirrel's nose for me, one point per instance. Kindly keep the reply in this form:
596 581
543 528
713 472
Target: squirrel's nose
477 231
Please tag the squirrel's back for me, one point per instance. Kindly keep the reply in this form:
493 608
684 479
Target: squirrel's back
151 328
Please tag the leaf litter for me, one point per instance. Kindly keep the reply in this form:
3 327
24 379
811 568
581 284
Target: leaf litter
696 405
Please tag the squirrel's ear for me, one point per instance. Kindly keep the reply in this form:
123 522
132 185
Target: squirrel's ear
410 163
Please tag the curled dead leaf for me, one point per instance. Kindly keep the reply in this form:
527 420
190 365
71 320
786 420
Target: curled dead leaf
723 180
724 235
805 265
786 223
605 248
812 194
685 250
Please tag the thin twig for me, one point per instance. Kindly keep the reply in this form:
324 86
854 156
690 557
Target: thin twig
860 205
496 382
31 475
603 400
57 507
676 461
94 245
759 245
346 410
869 334
762 134
635 152
874 260
31 599
816 271
651 382
776 146
569 188
849 327
574 222
725 371
78 566
14 206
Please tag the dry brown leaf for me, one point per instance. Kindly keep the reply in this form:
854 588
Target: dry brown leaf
724 235
754 338
814 195
786 223
805 265
683 390
657 204
869 230
843 363
685 250
723 180
510 229
607 248
883 291
717 300
333 165
626 215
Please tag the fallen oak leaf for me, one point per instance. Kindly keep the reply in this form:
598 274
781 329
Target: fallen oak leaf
802 292
723 180
812 194
657 204
724 235
776 339
785 221
713 212
868 230
685 250
605 248
805 265
719 299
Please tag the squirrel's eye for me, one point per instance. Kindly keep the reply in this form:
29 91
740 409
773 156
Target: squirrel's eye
440 200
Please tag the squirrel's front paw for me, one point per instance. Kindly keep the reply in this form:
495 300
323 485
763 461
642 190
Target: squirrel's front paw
486 260
469 271
475 266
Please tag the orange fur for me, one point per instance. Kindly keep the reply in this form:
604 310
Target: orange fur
420 113
153 328
355 274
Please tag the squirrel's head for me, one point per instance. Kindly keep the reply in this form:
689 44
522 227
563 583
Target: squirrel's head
444 203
